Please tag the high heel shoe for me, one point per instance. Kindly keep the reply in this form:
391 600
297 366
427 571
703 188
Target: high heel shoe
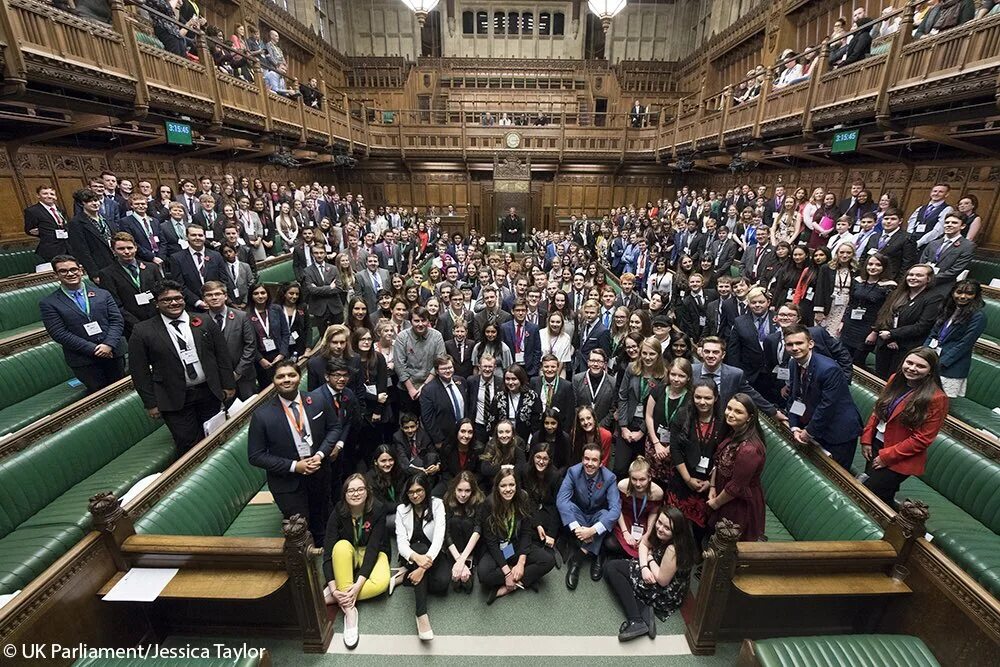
392 578
425 635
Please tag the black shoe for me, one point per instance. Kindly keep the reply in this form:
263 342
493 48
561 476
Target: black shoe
597 568
492 597
650 620
573 572
632 629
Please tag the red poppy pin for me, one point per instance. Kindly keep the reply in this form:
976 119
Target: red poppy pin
309 400
196 321
232 315
141 265
367 526
253 317
599 485
91 294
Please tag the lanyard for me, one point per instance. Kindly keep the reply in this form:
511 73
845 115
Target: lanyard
709 434
264 323
642 510
359 531
595 392
895 403
510 527
551 389
290 319
86 300
298 424
946 329
668 414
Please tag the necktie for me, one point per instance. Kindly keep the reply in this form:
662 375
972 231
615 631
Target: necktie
218 319
182 344
80 301
55 214
233 268
455 403
489 391
519 338
179 228
134 270
149 234
549 391
190 205
607 319
376 282
715 378
761 329
882 241
200 264
699 301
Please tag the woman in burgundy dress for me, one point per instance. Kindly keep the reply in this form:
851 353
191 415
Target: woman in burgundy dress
735 492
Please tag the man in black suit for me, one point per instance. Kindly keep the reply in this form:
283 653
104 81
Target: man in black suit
323 294
241 341
209 219
491 313
637 115
302 253
719 309
48 223
775 364
512 229
729 379
745 348
85 321
759 258
443 403
523 339
774 206
291 436
693 315
555 393
196 265
90 234
723 252
145 230
172 233
596 387
483 387
130 281
180 366
858 48
337 399
950 255
459 347
898 246
589 335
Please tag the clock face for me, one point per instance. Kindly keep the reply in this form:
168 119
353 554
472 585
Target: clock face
513 139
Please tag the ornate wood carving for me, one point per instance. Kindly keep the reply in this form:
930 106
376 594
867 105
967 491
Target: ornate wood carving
306 585
114 525
713 592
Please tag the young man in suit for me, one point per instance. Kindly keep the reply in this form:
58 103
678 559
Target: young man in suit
589 504
231 237
596 387
522 338
339 401
723 252
629 297
555 392
241 341
302 253
86 322
776 356
291 436
718 309
130 282
209 220
745 348
589 335
172 233
693 315
196 265
729 379
491 312
898 246
370 281
90 234
443 403
48 223
323 295
459 348
144 230
483 387
241 278
926 223
950 255
180 366
821 410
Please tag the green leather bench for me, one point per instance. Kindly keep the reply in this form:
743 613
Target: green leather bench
992 310
277 273
838 651
44 489
984 270
803 505
17 262
213 500
959 486
982 394
36 382
243 661
19 309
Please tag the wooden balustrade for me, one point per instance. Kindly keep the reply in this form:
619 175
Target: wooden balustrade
784 108
286 117
176 83
847 93
241 102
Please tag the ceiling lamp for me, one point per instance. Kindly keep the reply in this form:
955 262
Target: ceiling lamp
605 10
422 8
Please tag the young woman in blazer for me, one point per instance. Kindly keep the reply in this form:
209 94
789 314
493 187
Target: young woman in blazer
905 320
641 377
589 431
540 479
905 421
420 531
356 553
289 296
517 402
663 403
375 407
461 455
510 559
504 451
869 291
961 323
272 333
463 503
385 480
833 288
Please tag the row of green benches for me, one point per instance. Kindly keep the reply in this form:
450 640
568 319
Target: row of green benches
17 262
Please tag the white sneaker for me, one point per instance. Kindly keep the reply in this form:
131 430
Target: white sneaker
425 635
351 634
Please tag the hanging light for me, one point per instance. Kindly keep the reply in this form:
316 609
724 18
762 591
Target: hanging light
605 10
422 8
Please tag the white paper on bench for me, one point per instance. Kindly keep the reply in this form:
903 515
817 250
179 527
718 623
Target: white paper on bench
43 268
141 584
218 419
4 599
138 487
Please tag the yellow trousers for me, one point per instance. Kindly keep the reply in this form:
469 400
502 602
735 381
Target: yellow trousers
346 560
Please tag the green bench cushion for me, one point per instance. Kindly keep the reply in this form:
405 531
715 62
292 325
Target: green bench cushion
247 661
40 405
975 415
208 500
981 396
984 270
262 520
774 530
18 261
19 308
35 384
278 273
27 552
992 311
842 650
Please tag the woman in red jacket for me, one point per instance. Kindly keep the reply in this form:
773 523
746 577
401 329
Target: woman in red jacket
907 417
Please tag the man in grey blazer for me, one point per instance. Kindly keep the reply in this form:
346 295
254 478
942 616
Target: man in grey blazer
729 379
596 387
241 342
950 255
240 275
370 281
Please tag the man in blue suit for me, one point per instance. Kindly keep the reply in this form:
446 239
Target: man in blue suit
196 265
589 335
821 410
522 338
86 321
589 505
292 438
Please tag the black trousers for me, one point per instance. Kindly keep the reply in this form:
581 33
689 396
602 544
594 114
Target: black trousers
841 452
99 374
537 563
624 453
887 361
616 573
246 386
311 500
187 425
884 483
435 580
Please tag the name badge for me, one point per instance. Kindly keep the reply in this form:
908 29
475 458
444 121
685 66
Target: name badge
895 321
798 407
371 389
809 294
934 343
183 244
209 234
921 228
92 328
702 465
391 262
638 530
702 321
62 234
143 298
781 372
507 549
840 299
269 345
858 313
638 411
663 434
873 251
936 269
519 357
295 336
189 356
156 239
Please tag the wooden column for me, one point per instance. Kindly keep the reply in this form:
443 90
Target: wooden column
114 525
306 585
713 592
125 27
890 75
213 80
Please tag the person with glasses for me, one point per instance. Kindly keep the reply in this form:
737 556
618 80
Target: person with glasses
180 366
90 233
87 323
